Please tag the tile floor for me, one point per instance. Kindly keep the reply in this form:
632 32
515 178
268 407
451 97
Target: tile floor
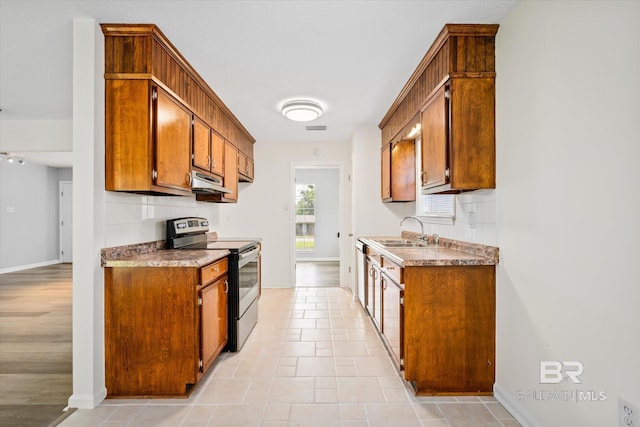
314 359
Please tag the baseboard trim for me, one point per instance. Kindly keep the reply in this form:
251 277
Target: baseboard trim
28 266
87 401
516 409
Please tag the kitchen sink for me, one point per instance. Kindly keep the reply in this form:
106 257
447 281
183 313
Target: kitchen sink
393 241
400 243
405 245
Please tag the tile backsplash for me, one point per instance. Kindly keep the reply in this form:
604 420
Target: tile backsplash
476 219
133 218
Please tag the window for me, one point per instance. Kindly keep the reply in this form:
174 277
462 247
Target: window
305 216
436 208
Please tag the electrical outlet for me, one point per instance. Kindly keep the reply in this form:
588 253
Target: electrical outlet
628 414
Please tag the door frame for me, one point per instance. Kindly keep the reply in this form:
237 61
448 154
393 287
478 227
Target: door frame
344 280
62 218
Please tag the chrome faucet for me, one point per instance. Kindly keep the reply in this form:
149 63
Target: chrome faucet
422 235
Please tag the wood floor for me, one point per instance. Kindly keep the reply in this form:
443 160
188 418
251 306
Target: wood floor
35 345
317 273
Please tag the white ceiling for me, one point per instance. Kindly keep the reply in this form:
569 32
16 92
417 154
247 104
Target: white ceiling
354 57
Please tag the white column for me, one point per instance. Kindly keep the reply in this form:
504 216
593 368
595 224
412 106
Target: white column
88 213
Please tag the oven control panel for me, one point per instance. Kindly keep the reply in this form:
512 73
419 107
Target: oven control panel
189 225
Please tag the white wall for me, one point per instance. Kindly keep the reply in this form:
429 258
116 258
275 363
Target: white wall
568 144
327 212
29 215
36 135
371 217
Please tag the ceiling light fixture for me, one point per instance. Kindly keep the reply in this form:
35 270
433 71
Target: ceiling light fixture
414 131
11 157
301 110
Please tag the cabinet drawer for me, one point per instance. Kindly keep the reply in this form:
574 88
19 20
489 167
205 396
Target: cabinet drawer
393 270
209 273
374 255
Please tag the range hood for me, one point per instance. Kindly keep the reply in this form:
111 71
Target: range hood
204 184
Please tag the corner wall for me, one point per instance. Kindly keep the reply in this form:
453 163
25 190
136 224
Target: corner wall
568 133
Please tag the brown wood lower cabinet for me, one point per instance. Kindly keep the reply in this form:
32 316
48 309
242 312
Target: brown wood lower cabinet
164 327
449 332
438 323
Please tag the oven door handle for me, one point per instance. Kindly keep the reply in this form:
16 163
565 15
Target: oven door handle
252 252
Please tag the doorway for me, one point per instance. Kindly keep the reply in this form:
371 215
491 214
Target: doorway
316 222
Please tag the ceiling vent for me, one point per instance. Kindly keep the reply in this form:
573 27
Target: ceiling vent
321 127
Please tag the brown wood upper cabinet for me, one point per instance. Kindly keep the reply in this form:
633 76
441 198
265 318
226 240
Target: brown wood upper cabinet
150 90
458 136
398 172
208 148
148 135
453 91
245 167
217 154
230 179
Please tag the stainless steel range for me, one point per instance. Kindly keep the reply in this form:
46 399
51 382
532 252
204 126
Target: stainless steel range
244 272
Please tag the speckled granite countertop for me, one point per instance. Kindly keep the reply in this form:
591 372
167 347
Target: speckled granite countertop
448 252
154 254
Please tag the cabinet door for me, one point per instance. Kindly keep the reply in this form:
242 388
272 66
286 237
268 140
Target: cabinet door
201 145
403 171
377 298
371 282
245 167
435 140
173 142
385 172
473 153
231 170
213 317
250 168
392 321
217 154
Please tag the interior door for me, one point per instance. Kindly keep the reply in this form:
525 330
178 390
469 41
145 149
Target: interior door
66 221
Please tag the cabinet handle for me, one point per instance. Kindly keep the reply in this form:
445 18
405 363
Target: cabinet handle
226 286
383 283
209 161
188 178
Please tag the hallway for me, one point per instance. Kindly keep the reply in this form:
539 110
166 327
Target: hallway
317 273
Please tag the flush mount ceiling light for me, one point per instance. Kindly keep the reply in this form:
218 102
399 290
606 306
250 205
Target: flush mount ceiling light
301 110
